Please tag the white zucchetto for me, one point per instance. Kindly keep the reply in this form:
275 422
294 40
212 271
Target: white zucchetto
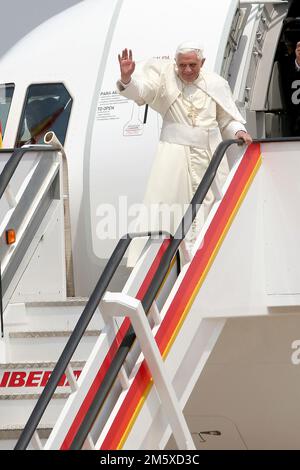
189 45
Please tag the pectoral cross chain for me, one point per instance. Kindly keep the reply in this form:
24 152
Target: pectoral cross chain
193 114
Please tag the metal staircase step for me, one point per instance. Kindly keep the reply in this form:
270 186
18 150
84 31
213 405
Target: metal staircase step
39 345
26 380
37 365
49 334
14 431
20 389
17 409
70 301
40 316
9 434
32 396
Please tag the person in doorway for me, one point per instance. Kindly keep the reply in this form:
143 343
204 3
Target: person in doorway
197 110
290 73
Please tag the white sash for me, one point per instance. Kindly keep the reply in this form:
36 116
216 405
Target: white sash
182 134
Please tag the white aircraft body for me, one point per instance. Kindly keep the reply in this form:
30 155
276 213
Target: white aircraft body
233 358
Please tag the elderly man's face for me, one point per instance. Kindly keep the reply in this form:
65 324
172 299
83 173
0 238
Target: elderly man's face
189 66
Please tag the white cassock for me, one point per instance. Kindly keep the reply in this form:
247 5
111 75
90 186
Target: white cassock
195 118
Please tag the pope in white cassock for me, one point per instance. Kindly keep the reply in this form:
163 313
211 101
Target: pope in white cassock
198 111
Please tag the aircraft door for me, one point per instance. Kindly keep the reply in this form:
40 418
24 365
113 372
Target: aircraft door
123 142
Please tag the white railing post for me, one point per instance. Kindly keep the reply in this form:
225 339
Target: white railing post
133 309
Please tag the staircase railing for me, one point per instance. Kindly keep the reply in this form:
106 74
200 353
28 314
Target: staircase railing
5 178
94 301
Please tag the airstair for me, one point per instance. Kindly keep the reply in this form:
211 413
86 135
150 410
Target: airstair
159 333
124 409
38 308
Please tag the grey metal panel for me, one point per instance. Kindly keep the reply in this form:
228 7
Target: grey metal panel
4 157
265 57
34 185
25 241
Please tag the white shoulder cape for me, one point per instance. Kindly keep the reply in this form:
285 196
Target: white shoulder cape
161 75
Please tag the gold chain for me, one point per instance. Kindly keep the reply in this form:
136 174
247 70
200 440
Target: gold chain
193 112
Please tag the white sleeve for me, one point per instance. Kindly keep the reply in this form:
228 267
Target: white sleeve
132 91
228 126
143 85
121 85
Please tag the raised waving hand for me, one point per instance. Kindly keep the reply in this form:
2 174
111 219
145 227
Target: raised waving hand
127 65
